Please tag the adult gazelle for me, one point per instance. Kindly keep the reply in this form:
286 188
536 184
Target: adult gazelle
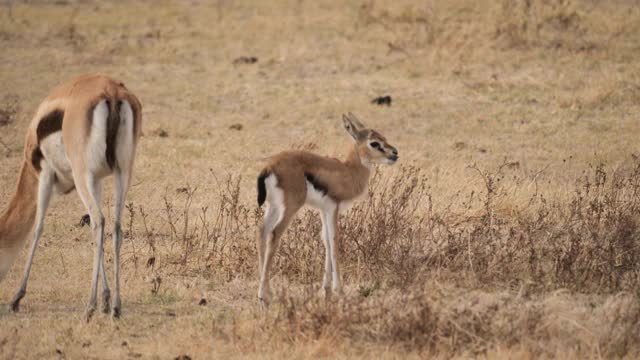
85 130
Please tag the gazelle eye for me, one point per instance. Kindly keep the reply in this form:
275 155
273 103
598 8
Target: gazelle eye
376 145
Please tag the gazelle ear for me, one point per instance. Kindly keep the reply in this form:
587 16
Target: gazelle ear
356 122
353 126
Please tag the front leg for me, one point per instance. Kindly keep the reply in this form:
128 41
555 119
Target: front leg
98 235
326 281
45 187
332 232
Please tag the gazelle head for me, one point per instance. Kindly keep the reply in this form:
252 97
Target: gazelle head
371 145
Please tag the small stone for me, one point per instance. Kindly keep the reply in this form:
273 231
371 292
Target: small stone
382 100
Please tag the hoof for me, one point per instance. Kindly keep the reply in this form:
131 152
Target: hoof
106 302
15 304
106 308
264 295
89 313
264 302
116 312
85 220
327 293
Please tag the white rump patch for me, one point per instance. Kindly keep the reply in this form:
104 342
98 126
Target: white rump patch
97 145
52 148
275 198
124 141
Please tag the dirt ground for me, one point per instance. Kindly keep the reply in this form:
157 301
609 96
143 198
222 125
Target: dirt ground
549 88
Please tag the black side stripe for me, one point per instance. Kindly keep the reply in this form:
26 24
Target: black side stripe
49 124
319 186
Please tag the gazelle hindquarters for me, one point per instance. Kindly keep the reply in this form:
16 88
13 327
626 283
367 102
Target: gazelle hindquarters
85 130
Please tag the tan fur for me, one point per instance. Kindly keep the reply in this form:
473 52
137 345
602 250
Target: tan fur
343 181
17 221
67 165
79 96
76 98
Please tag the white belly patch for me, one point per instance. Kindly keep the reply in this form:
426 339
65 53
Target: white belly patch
318 199
52 148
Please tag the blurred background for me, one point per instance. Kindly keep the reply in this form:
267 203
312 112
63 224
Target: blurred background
490 103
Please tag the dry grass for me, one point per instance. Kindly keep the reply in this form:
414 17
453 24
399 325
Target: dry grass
510 231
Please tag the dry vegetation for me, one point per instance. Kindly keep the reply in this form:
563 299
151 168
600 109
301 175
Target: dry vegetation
511 230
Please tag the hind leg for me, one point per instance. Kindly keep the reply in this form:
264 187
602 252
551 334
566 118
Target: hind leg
268 246
264 292
125 153
122 185
45 187
106 293
89 189
271 219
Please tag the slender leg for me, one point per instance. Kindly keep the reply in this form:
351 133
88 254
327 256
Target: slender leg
45 187
89 191
122 185
326 282
262 243
333 237
106 293
264 292
125 154
270 221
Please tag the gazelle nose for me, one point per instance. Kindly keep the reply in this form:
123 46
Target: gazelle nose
393 157
394 152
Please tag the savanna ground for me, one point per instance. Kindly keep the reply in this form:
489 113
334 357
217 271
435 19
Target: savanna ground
510 227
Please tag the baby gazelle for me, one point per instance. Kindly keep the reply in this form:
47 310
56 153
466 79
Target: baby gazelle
295 178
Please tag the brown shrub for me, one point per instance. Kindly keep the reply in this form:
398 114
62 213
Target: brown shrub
395 237
444 320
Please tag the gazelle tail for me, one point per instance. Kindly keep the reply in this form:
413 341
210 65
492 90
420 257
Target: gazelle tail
17 220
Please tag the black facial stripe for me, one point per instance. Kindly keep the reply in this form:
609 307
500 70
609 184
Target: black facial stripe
377 146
